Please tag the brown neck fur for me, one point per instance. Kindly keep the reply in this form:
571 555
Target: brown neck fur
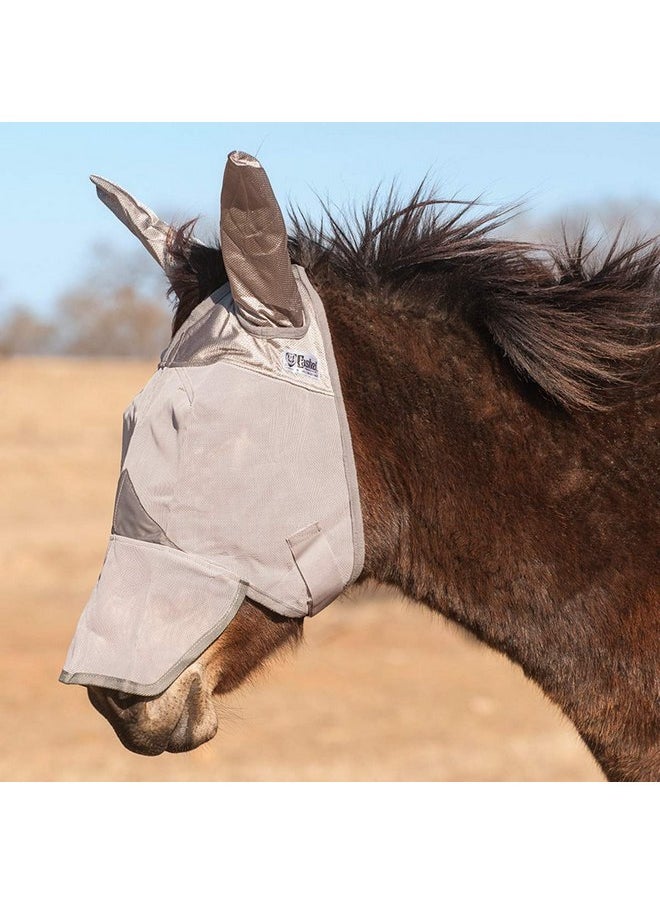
525 524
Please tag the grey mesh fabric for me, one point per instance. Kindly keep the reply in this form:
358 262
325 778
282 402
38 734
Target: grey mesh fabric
237 474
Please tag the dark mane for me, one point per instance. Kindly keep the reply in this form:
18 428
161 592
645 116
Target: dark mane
584 332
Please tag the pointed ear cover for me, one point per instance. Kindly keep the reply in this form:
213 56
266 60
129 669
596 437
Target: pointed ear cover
255 254
143 223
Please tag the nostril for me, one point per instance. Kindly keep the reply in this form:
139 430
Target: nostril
122 697
118 703
119 700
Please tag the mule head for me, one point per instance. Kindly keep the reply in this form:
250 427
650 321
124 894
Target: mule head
237 511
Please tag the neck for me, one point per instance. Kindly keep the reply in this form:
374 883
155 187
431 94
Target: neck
492 506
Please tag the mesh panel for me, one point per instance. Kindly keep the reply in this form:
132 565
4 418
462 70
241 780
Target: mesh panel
276 467
252 461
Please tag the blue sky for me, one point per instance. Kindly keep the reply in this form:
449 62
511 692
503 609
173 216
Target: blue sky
51 217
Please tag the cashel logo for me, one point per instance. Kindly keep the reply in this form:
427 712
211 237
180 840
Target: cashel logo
300 363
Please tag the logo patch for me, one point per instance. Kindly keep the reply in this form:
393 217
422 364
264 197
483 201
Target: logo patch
300 363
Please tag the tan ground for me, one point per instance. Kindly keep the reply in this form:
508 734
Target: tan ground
382 690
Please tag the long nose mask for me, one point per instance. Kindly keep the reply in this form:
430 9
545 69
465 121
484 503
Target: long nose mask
237 473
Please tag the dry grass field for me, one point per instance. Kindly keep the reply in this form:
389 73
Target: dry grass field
381 690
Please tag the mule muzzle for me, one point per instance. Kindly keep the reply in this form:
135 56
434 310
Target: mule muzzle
179 719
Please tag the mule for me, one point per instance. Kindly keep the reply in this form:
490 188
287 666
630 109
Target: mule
501 399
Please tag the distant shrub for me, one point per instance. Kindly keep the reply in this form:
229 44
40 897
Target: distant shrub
114 312
23 332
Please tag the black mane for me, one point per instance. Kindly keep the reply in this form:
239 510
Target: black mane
585 332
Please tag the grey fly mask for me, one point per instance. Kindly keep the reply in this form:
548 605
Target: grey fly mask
237 472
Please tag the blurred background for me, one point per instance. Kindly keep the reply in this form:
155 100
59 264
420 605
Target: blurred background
382 690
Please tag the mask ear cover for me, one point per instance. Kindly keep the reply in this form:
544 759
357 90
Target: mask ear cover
142 222
254 249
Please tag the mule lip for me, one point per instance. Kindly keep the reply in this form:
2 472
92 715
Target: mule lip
194 721
145 747
186 737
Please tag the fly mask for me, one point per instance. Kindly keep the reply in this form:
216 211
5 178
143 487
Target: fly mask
237 474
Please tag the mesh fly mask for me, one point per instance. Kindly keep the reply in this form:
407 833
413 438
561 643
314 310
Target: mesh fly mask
237 472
